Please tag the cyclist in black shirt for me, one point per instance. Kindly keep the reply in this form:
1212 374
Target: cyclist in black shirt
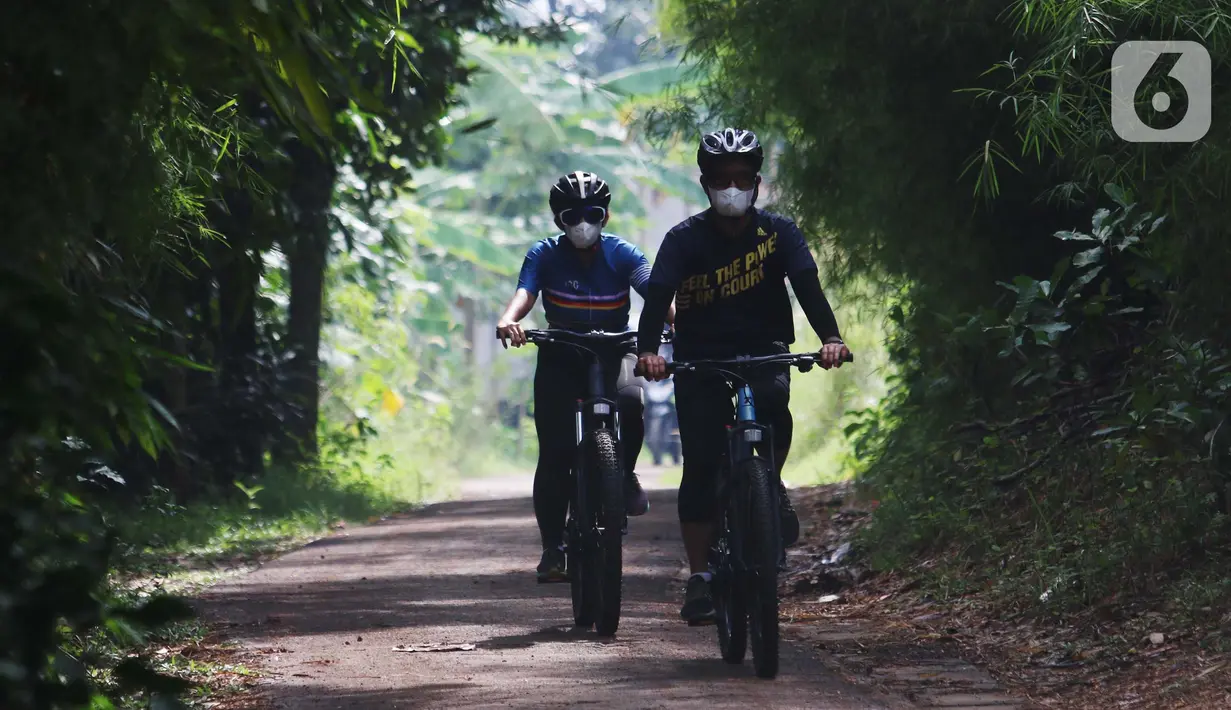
727 269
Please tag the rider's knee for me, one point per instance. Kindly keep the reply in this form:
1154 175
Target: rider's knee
773 397
629 384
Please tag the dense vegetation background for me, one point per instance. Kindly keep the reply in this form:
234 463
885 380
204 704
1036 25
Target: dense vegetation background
253 254
248 249
1057 298
251 249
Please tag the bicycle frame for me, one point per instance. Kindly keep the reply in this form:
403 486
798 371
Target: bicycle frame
596 519
597 409
600 408
744 437
746 551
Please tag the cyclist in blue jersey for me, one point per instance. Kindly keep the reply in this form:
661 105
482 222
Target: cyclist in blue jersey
585 277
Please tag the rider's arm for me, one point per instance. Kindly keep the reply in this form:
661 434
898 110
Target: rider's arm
658 302
518 307
807 286
659 295
805 281
639 272
527 287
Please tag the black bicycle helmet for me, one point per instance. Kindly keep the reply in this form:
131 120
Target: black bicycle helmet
578 189
729 143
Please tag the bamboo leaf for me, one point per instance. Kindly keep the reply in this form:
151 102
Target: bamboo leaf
645 79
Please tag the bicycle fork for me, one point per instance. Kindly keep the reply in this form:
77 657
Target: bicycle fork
594 411
746 438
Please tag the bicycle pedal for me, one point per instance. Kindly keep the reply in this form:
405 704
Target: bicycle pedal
703 622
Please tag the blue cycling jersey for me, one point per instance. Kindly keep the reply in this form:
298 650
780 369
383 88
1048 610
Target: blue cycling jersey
575 297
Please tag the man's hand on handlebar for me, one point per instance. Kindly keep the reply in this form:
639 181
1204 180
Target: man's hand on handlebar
651 366
510 332
833 355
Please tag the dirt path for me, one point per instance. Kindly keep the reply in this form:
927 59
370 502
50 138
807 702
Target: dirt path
324 620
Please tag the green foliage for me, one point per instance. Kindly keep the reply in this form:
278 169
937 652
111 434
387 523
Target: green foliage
56 554
147 147
179 544
1055 414
877 164
487 203
531 112
1111 475
821 401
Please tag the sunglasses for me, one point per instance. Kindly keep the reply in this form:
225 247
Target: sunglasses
574 216
742 182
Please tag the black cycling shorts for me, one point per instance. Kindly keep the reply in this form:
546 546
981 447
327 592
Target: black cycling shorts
560 379
705 406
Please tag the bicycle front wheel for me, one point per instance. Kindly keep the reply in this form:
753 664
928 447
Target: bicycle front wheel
577 573
761 552
608 484
730 604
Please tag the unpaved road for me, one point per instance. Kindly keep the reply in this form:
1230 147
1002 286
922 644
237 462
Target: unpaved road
325 618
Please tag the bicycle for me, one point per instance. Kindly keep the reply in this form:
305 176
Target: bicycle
597 520
747 553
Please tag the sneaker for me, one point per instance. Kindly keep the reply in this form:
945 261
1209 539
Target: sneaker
551 567
787 517
698 606
635 500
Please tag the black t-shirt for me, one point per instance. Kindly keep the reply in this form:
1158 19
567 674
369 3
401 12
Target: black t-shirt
731 293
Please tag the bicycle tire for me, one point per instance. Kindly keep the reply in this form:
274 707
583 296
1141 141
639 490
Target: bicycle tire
574 564
730 603
761 554
608 555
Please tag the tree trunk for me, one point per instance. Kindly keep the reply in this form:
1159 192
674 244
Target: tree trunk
311 191
242 398
174 287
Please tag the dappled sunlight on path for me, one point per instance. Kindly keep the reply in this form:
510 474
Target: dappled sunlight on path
325 619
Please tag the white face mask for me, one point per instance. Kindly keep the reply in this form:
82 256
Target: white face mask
583 235
731 202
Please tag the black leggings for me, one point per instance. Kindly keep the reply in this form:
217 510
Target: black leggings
705 407
559 381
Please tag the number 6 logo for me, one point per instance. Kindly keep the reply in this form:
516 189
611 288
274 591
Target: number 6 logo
1132 62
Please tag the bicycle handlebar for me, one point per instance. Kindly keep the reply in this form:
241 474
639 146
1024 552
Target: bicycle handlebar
554 335
577 339
804 361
